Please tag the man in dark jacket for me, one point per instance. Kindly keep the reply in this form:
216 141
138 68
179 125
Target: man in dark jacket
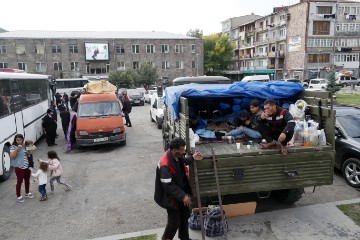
65 120
276 123
172 188
49 125
126 109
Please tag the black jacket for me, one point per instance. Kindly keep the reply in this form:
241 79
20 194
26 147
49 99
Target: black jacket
126 106
282 120
48 123
171 182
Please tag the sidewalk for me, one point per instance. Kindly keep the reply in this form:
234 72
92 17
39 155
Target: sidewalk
314 222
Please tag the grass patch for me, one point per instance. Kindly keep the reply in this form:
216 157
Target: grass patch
352 211
147 237
348 99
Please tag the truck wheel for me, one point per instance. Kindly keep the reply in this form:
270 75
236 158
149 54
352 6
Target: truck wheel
288 196
350 170
123 143
5 164
159 124
152 120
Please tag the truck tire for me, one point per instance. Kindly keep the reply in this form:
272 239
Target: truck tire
165 135
288 196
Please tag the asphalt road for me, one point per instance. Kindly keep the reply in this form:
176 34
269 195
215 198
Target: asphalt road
112 190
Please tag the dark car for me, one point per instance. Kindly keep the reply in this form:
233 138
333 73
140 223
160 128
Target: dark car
347 144
135 97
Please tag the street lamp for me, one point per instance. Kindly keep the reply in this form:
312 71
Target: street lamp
197 65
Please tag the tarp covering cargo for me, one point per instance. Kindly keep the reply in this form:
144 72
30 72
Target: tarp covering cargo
273 89
102 86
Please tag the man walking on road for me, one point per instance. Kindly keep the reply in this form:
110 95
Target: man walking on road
172 188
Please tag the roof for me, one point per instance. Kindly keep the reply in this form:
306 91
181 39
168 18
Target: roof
93 97
92 34
238 21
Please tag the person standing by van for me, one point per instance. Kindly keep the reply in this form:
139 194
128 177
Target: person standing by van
126 109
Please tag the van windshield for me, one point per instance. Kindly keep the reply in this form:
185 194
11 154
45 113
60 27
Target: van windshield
98 109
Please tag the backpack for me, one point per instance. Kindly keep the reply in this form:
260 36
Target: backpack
213 223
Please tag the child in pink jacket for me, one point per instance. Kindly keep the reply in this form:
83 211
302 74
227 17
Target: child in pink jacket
56 171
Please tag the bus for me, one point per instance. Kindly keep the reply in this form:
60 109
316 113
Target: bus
70 85
24 99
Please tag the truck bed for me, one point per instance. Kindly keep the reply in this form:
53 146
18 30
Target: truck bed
255 170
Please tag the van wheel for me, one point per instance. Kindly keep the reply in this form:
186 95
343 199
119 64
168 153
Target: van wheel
345 85
123 143
5 164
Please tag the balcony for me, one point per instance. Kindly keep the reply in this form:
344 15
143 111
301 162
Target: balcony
271 66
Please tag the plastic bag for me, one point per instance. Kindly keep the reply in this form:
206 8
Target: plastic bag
296 113
322 137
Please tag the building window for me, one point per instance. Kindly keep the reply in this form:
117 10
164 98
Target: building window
150 48
41 67
2 49
165 48
193 64
3 65
165 65
192 48
179 48
120 49
87 67
22 66
20 49
39 49
73 49
135 48
58 66
347 57
283 32
56 49
321 28
120 66
319 58
74 66
179 64
135 65
324 10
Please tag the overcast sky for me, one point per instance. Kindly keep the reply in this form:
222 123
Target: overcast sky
125 15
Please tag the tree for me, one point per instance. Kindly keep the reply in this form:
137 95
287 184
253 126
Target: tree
195 33
332 85
147 74
218 50
123 79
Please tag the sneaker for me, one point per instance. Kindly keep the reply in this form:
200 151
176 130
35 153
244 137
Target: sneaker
45 196
42 199
52 191
20 199
29 195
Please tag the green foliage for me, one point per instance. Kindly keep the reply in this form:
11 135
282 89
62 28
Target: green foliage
123 79
351 210
147 75
332 86
348 99
218 50
195 33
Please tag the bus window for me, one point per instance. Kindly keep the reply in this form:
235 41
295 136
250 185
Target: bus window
69 85
32 92
5 97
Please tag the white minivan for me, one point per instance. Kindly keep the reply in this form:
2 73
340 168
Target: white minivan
318 84
157 110
259 78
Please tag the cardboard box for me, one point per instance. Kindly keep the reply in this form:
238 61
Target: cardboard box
239 209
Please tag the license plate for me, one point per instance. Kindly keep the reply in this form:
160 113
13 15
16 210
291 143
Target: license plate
137 101
101 139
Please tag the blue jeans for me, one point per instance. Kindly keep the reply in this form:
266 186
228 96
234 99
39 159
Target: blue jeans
42 190
251 133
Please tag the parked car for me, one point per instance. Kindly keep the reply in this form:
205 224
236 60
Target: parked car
157 110
148 95
347 144
259 78
135 97
345 81
305 83
318 84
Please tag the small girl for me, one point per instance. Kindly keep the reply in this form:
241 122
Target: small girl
56 171
30 147
41 174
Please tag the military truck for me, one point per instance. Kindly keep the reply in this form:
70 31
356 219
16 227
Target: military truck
264 171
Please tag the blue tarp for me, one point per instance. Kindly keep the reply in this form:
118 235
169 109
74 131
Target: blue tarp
273 89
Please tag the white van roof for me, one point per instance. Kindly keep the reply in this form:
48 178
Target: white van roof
256 78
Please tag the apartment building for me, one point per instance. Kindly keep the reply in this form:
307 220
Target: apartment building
304 40
76 54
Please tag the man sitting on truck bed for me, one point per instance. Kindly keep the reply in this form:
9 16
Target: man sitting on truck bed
276 123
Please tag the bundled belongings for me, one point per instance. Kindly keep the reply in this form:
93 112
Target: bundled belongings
102 86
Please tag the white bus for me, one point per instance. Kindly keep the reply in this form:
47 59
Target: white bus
24 99
69 85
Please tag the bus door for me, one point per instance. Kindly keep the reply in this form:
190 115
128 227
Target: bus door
16 106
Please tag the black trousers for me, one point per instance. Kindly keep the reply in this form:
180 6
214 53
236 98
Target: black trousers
127 119
270 133
177 219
